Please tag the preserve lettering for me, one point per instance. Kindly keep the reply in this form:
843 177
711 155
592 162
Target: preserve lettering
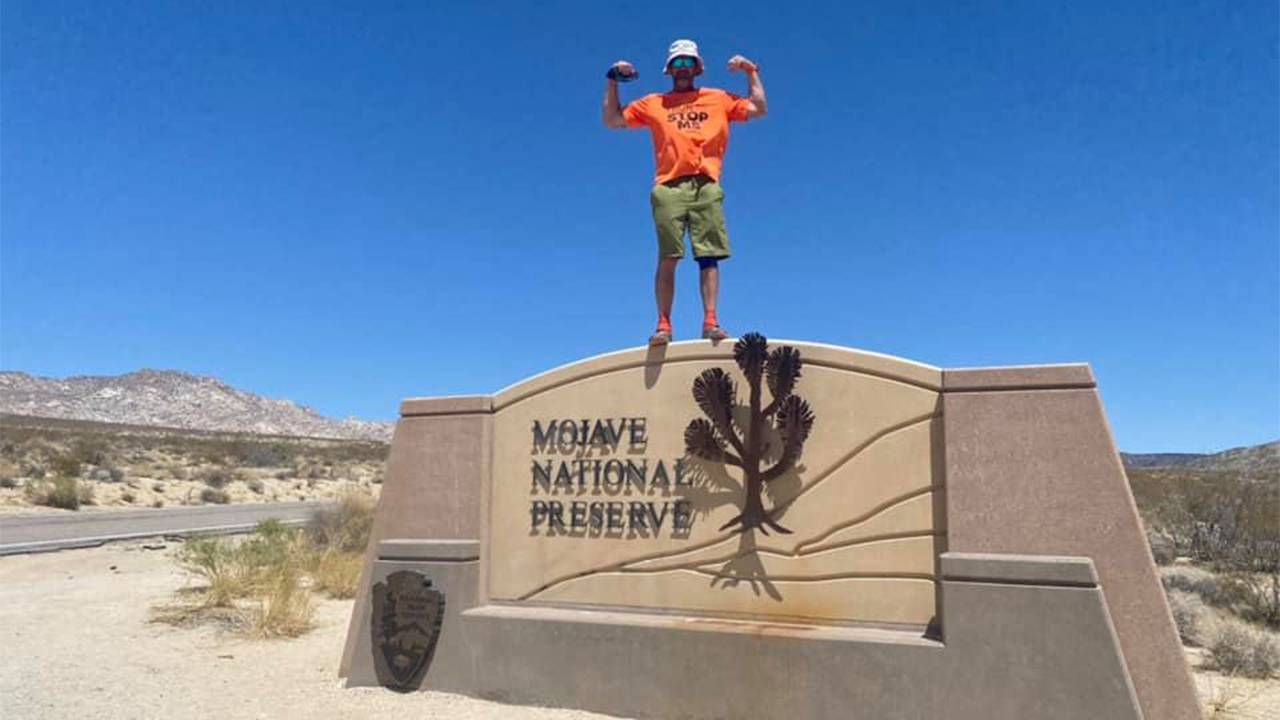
578 488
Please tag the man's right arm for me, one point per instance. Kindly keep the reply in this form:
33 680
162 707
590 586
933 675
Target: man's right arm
612 108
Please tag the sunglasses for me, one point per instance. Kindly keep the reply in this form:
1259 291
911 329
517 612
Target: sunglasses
684 62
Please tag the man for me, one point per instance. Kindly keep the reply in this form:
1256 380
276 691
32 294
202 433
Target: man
690 129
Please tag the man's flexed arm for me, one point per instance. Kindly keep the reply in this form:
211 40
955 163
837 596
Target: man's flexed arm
755 88
612 108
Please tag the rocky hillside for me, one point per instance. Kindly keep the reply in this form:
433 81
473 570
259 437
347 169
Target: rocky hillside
172 399
1256 461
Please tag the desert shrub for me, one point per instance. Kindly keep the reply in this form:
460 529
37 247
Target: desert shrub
215 477
284 474
346 525
214 561
1189 614
235 570
90 451
8 483
1223 518
157 487
1252 596
337 573
215 496
285 608
179 472
272 560
255 485
66 465
128 497
272 544
157 504
61 492
1163 550
1192 580
117 474
1237 648
260 454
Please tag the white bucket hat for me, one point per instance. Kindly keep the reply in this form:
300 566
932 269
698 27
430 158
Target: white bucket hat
682 48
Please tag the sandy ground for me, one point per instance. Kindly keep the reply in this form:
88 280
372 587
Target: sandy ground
75 642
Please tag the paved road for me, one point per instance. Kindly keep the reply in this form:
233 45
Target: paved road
46 532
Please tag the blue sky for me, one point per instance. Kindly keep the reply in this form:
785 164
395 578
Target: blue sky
346 204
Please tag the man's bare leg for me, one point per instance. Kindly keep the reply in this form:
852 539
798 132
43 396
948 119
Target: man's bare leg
709 283
664 291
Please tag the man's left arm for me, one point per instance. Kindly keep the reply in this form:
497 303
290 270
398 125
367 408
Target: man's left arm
755 88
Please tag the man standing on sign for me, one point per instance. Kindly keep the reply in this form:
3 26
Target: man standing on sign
690 128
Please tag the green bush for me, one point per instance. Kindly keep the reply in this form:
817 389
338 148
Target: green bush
91 451
215 477
215 496
65 465
260 454
61 492
1252 596
214 560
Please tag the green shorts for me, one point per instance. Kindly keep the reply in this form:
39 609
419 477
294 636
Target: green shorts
693 203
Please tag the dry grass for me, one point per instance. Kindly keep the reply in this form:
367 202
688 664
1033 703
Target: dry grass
63 492
254 584
338 574
1238 648
346 526
261 585
284 608
1230 699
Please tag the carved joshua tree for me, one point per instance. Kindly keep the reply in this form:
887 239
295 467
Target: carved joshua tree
716 437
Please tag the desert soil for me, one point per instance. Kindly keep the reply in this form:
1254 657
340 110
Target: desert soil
77 643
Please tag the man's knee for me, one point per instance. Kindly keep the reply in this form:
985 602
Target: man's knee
708 263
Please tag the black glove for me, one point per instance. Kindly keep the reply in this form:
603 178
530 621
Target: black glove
619 75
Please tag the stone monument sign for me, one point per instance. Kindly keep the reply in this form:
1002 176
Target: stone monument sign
769 529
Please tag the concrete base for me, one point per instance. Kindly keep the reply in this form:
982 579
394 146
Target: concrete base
1026 637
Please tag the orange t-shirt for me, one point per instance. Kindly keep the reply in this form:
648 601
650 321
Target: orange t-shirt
690 129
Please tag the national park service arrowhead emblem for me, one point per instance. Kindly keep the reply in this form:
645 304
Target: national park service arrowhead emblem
407 614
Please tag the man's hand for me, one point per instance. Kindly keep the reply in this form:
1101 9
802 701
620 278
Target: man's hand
755 88
737 63
612 115
622 67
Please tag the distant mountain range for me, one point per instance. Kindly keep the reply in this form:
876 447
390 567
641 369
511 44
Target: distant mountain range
173 399
1254 461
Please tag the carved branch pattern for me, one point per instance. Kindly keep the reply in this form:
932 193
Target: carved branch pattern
786 414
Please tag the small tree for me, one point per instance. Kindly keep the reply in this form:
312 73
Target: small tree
716 437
